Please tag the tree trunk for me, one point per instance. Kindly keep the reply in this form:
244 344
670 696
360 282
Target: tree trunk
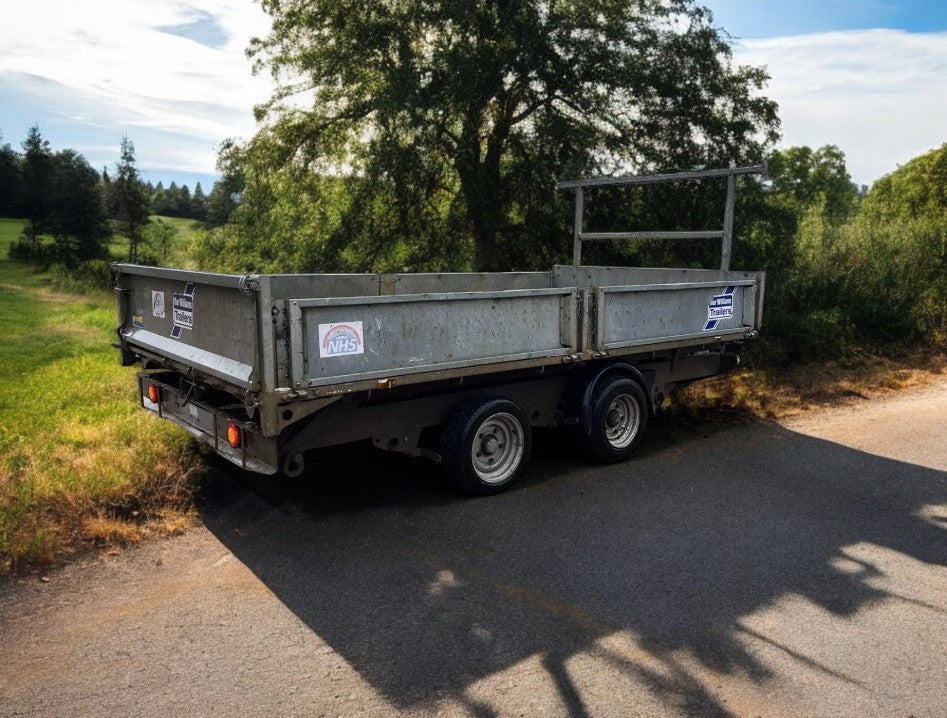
480 183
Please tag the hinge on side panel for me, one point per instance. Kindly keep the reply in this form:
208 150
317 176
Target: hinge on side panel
594 339
250 284
579 320
250 403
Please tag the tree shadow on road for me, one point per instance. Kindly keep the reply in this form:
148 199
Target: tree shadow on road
426 593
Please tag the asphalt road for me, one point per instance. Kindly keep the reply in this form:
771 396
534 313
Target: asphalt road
759 570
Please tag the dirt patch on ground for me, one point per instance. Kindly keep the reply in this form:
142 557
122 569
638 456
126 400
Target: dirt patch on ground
750 394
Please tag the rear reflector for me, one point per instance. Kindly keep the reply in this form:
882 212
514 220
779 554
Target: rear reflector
233 435
153 394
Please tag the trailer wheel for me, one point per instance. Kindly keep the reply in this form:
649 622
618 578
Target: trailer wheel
614 421
485 445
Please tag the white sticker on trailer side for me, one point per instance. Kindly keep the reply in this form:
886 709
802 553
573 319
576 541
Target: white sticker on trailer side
157 304
341 339
719 307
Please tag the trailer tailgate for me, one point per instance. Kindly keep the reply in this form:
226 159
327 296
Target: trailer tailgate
197 320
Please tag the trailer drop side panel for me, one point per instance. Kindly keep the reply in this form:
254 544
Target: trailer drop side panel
339 340
642 314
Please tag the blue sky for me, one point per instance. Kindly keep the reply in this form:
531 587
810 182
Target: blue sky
867 75
780 18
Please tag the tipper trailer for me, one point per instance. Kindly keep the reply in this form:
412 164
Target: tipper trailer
457 368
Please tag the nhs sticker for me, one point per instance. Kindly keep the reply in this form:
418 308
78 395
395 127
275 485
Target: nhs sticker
720 307
340 339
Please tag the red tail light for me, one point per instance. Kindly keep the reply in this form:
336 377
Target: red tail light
153 394
233 435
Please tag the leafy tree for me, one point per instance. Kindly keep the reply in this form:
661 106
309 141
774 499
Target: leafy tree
844 269
227 192
917 189
805 177
903 233
10 181
457 116
76 218
131 199
36 175
158 236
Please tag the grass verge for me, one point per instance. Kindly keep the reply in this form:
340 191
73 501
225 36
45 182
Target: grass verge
752 394
80 463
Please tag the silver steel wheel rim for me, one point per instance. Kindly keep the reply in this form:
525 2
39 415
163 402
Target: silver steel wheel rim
497 448
622 421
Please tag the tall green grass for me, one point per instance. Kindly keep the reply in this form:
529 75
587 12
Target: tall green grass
79 460
177 253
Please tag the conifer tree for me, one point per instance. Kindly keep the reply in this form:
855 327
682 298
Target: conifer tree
131 199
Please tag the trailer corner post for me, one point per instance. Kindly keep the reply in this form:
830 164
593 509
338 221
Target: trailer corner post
726 233
577 241
728 223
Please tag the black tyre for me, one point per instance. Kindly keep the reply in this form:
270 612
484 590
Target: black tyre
614 421
485 445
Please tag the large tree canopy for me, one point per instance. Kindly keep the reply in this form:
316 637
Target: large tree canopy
461 114
805 177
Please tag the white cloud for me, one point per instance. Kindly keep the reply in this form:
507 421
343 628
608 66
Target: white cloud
106 64
880 95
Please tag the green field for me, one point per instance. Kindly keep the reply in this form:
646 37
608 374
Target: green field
80 462
177 256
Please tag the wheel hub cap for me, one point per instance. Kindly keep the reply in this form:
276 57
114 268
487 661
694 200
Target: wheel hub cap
498 448
489 445
622 421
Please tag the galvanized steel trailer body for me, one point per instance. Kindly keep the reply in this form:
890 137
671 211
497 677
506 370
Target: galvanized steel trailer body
304 360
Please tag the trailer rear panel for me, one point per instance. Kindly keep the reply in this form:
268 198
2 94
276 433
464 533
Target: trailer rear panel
203 322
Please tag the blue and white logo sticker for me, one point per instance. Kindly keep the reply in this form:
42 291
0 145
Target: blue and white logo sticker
341 339
182 308
720 307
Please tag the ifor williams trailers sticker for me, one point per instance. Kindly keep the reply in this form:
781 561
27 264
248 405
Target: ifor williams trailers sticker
720 307
341 339
182 309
